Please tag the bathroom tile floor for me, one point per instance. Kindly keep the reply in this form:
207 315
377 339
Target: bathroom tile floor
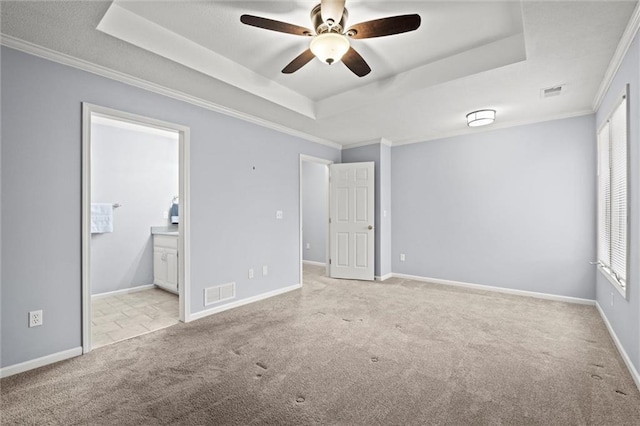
120 317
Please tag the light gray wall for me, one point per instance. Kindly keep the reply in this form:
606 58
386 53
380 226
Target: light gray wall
314 211
364 154
624 315
241 174
139 171
511 208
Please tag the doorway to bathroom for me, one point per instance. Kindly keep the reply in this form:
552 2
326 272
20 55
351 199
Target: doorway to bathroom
314 217
134 225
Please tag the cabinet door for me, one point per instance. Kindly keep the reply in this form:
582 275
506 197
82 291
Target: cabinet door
172 268
159 267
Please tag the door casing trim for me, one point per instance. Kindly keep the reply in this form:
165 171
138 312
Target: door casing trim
184 260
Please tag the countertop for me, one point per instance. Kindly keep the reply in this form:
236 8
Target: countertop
171 231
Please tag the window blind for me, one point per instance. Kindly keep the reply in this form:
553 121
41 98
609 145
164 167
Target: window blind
619 192
612 195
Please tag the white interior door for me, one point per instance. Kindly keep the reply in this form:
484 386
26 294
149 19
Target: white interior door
351 221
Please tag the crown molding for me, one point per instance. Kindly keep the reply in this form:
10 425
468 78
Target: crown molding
471 131
360 144
623 47
68 60
466 131
377 141
121 23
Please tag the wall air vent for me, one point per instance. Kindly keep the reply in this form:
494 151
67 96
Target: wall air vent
219 293
551 91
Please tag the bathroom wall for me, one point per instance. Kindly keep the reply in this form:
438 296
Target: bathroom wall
315 198
139 170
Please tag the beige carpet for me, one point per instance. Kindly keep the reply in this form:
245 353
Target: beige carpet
347 352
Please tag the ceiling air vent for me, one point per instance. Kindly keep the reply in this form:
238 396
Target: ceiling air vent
551 91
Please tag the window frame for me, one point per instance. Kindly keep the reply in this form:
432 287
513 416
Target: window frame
605 270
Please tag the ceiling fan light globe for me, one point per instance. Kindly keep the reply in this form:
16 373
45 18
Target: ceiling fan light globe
329 47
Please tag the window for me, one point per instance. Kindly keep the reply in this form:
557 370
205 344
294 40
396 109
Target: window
612 197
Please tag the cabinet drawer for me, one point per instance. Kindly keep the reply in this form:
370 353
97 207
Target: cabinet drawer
165 241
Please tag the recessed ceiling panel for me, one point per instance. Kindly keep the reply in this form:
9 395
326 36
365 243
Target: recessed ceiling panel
133 28
209 37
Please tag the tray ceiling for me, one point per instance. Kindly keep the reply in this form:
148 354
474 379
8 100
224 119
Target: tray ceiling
465 56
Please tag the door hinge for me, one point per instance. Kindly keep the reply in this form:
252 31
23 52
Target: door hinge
329 261
329 220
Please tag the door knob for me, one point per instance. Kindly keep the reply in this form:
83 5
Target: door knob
370 227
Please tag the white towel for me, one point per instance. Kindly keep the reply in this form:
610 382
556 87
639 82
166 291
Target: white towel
101 218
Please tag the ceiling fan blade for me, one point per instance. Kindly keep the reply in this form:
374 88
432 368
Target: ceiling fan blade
300 61
279 26
385 26
331 9
355 63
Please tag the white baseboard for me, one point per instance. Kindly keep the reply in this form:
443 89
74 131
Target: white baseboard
123 291
547 296
40 362
623 353
242 302
384 277
312 262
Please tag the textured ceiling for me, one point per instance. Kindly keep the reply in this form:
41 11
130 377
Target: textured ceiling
465 56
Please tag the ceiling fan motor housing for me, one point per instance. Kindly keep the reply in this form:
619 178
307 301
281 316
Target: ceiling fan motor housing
325 27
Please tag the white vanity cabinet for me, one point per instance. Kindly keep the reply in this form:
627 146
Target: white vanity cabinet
165 262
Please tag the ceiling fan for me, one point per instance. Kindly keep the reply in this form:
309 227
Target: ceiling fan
330 41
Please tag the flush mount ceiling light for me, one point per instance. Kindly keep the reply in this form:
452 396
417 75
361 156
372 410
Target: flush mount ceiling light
329 47
481 117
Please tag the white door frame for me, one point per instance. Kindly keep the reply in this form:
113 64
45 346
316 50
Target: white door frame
184 269
326 163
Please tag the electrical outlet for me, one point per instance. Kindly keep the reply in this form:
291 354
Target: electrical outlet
308 246
265 270
279 214
402 258
250 273
165 215
35 318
